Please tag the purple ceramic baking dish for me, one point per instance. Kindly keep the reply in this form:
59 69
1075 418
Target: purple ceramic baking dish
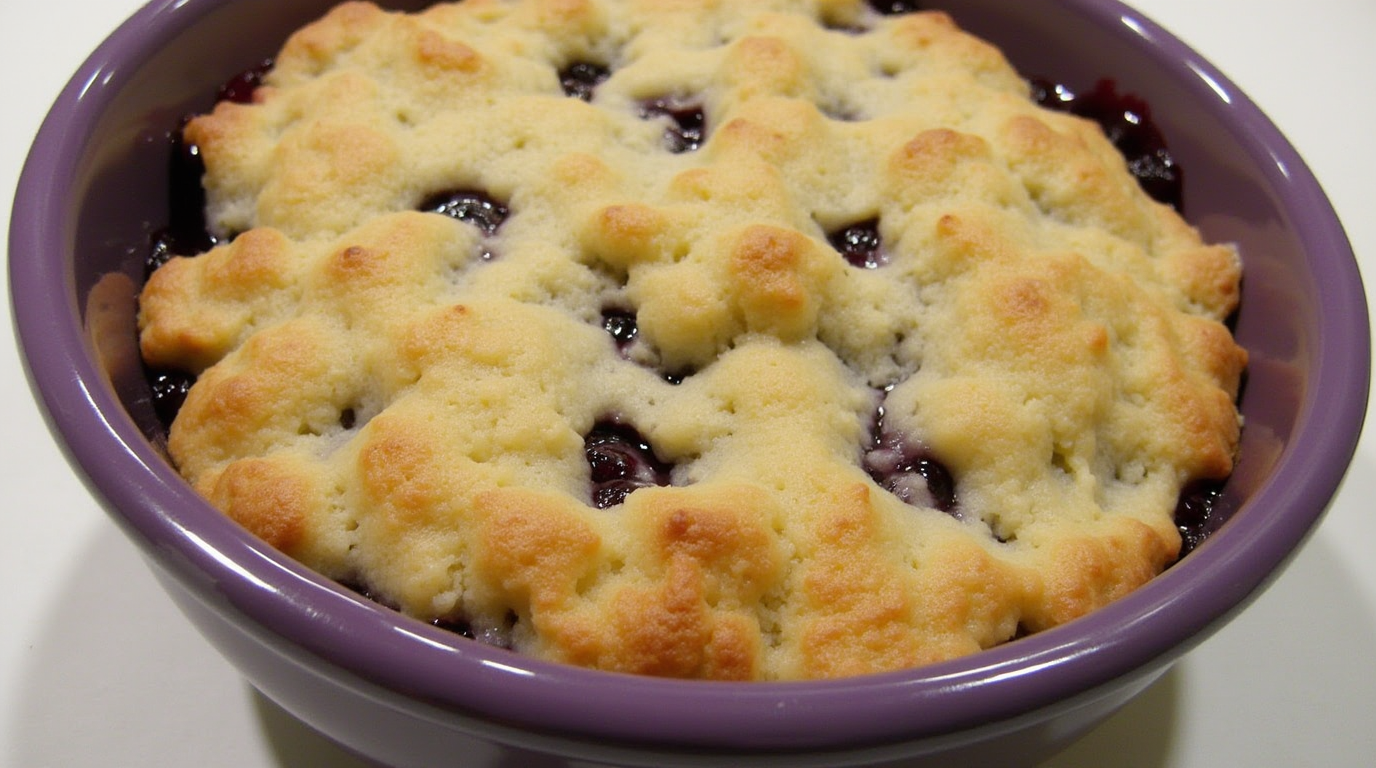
407 694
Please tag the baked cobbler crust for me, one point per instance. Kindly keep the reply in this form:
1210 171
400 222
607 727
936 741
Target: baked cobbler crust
400 399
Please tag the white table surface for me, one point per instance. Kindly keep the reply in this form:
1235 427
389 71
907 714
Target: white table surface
98 669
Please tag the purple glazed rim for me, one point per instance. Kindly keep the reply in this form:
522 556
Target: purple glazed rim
184 533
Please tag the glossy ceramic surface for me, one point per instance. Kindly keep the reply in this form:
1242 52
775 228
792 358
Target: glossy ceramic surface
406 693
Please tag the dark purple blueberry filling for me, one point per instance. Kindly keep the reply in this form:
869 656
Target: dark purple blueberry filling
239 89
1126 120
169 390
470 206
1198 513
581 78
621 461
1159 175
688 123
911 473
457 626
498 637
621 324
908 470
895 7
162 247
366 592
186 233
860 244
882 7
1051 95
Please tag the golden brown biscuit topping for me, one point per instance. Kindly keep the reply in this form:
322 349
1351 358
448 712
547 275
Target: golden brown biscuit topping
877 362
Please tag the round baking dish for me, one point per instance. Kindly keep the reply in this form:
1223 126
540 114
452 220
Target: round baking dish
407 694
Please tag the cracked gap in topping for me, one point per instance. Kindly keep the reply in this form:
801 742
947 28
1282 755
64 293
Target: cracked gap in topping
1051 95
1126 121
457 626
894 7
860 244
162 247
677 377
470 206
168 388
239 89
186 232
1198 513
840 114
912 474
498 637
621 325
621 460
366 592
688 128
581 78
348 418
909 471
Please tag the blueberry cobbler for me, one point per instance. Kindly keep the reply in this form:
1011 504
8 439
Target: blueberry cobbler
742 340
